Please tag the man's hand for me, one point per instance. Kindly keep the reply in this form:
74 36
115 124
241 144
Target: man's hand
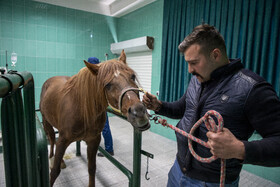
225 145
151 102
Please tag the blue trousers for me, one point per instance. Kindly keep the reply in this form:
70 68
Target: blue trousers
106 133
177 179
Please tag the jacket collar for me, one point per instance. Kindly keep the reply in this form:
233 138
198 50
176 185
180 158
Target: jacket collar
233 66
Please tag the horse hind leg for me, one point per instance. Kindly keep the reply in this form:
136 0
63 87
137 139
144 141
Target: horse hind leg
51 137
61 146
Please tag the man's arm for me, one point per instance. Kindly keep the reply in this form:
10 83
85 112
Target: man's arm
225 145
173 110
263 112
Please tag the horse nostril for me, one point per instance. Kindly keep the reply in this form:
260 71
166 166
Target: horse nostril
144 109
137 110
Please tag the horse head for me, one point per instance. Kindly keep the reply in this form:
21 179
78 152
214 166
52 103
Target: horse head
119 85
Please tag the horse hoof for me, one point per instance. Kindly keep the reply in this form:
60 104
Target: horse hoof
62 165
51 161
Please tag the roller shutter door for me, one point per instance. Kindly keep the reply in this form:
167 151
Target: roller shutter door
141 63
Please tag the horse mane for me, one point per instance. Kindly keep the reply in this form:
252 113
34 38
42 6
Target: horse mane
88 93
88 89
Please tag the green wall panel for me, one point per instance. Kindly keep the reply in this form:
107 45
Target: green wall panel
50 40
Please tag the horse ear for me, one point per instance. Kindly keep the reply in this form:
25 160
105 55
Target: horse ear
123 57
92 67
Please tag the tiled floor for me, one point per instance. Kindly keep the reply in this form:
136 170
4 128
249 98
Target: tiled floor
107 175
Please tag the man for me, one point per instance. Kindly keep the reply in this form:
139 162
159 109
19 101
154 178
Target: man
245 101
106 132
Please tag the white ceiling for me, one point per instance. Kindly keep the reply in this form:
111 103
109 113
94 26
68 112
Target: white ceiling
115 8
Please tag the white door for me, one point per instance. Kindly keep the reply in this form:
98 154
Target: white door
141 63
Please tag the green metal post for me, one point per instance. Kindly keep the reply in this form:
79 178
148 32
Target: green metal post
12 109
24 164
10 148
30 127
78 148
137 146
137 158
43 160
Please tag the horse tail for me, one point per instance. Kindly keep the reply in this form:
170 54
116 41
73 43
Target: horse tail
44 88
50 134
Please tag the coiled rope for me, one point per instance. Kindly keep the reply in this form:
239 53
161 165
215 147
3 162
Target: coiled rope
211 126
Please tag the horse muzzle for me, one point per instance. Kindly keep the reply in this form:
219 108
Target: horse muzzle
137 115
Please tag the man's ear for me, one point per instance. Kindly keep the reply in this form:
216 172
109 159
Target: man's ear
92 67
123 57
216 54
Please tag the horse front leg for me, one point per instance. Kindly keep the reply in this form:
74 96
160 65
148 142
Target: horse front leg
61 146
92 147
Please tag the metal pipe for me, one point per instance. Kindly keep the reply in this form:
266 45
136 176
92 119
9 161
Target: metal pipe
118 165
137 157
6 60
78 148
137 144
21 154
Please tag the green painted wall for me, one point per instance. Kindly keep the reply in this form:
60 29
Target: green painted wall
51 40
146 21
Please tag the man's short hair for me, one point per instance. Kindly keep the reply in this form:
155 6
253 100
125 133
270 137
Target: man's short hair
207 37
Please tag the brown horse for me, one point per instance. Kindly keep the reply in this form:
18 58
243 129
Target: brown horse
76 107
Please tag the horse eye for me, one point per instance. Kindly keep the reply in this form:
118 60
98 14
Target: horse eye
108 86
133 77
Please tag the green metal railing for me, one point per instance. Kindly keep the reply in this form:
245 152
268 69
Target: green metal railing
135 177
24 141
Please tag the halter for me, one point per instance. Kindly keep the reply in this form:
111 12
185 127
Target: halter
121 97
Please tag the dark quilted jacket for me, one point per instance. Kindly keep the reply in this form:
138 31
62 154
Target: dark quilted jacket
246 102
